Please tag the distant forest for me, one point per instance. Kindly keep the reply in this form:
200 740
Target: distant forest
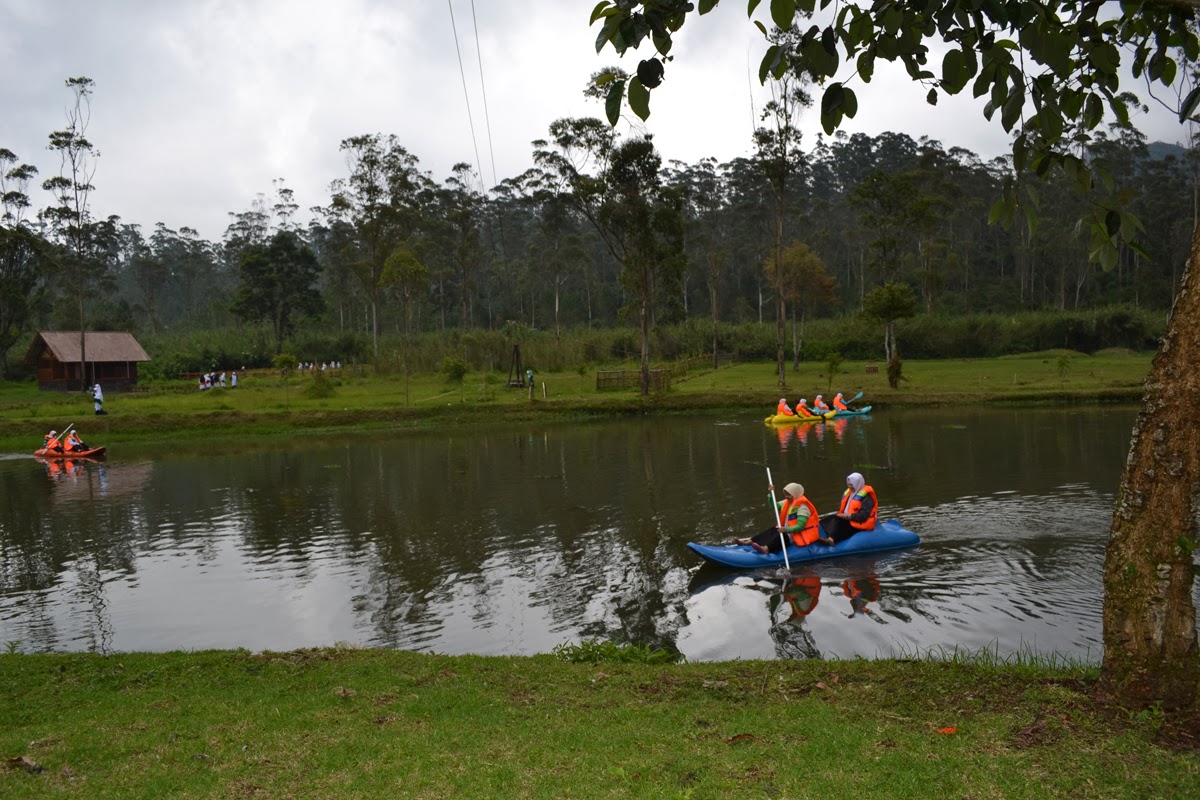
394 250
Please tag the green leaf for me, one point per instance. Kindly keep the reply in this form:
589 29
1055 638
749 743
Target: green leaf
932 97
1112 222
782 13
761 27
866 66
602 9
750 9
1141 251
998 211
831 101
1130 226
1012 107
849 102
769 62
1189 104
1093 111
1031 219
706 6
954 71
639 99
612 101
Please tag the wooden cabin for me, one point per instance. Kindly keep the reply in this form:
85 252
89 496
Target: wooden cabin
112 360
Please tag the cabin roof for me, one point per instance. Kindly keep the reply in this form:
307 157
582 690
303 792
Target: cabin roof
102 346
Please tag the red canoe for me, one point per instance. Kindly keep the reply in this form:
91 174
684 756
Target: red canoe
95 452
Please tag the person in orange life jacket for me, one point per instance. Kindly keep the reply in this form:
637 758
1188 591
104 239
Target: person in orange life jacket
51 442
802 409
783 408
858 511
797 519
839 404
861 591
74 443
801 594
819 405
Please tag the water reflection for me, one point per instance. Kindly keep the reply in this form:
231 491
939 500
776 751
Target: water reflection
514 540
801 434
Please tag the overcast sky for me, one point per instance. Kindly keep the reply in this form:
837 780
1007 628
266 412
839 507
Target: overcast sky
200 104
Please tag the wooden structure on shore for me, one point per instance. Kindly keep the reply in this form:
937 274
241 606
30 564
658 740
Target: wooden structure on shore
112 360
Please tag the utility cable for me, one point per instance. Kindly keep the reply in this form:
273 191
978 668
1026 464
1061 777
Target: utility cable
466 94
483 88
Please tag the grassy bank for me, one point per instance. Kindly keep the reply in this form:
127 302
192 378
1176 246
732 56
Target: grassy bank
363 723
265 404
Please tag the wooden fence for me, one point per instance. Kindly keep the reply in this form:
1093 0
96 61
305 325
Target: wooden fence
631 378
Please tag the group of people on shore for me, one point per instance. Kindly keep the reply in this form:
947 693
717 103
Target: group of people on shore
324 366
211 380
798 520
818 408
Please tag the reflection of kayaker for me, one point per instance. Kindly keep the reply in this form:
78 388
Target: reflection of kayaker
801 594
861 591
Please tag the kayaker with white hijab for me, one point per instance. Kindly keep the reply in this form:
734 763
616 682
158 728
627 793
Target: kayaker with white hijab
858 511
797 519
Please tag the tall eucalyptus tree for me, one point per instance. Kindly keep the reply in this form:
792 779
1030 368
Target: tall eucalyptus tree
71 217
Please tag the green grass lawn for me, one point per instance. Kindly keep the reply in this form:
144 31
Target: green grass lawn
266 404
366 723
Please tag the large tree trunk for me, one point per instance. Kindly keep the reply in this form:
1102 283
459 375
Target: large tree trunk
1150 651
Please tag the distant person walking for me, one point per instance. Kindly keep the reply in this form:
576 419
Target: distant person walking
98 400
233 379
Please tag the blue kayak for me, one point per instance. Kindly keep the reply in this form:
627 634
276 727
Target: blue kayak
852 412
888 535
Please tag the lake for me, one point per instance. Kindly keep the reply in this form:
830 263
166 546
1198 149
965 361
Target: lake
516 538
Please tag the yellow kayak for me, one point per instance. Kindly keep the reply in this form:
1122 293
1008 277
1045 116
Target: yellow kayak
794 419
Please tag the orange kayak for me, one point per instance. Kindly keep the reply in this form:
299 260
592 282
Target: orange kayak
95 452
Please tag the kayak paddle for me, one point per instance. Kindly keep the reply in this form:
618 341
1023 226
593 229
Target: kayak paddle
775 514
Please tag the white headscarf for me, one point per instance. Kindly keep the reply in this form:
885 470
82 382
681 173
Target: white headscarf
855 481
96 393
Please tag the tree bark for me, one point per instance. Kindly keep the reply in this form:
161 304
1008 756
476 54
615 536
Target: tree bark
1150 650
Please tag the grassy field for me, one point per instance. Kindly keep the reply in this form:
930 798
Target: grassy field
344 723
264 404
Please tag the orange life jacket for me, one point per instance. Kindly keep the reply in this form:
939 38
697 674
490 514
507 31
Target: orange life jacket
803 410
782 408
840 404
789 517
52 444
852 502
819 405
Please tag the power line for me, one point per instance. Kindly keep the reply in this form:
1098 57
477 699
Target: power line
486 118
466 95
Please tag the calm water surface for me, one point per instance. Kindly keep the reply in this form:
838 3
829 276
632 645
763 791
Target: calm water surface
511 540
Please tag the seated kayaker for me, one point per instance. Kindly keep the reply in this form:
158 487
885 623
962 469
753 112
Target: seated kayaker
819 405
839 404
74 443
858 511
51 442
797 519
783 408
802 409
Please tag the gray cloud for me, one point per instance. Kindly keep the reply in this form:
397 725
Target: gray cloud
200 104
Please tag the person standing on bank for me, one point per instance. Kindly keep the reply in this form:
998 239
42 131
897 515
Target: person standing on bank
98 400
858 511
797 519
